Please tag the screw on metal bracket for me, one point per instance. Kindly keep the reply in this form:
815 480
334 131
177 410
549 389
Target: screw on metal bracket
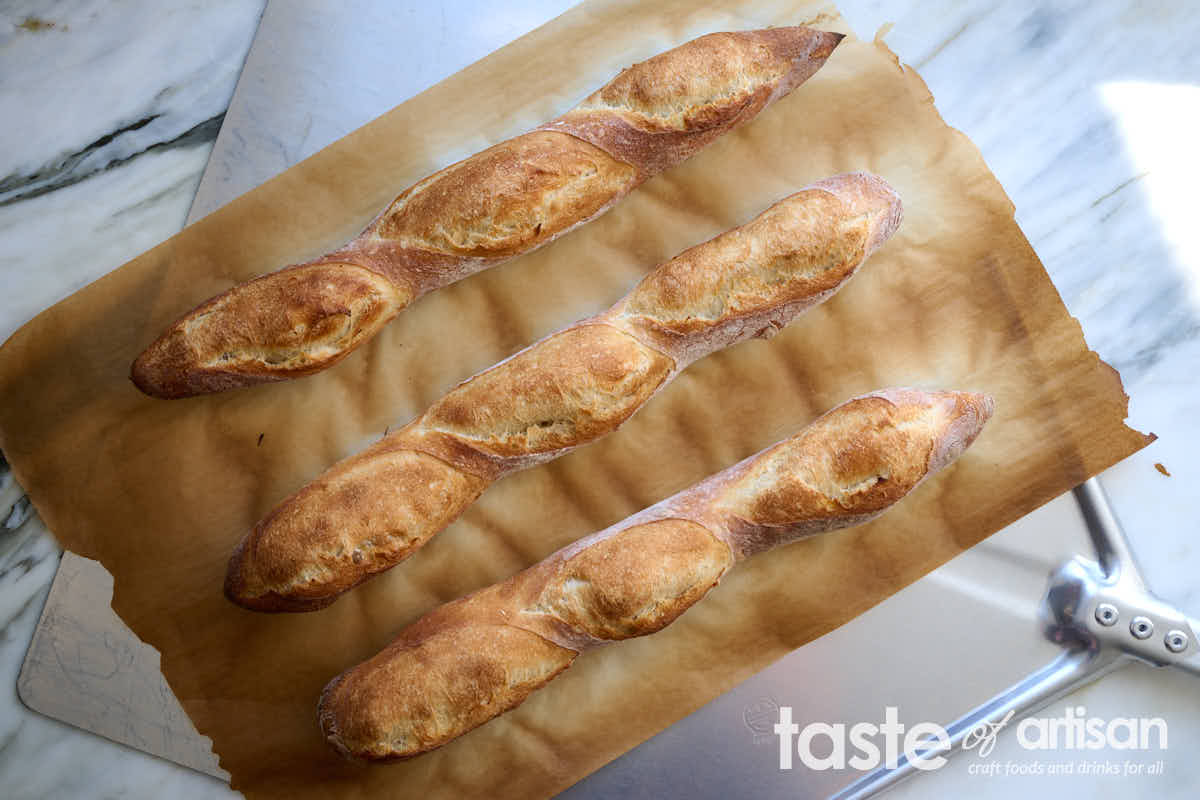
1107 614
1141 627
1176 641
1110 585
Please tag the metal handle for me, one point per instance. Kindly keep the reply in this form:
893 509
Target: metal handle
1112 548
1060 677
1101 612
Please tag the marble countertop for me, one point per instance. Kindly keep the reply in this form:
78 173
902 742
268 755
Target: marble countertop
1087 112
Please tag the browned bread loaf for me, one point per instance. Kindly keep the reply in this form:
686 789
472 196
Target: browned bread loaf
475 658
505 201
372 510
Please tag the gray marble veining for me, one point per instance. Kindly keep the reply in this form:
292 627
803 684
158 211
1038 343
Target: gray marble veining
170 96
119 101
110 111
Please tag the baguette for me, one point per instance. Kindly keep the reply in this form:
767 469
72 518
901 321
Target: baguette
484 210
477 657
374 509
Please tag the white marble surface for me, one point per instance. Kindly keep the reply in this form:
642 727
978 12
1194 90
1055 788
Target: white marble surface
1085 112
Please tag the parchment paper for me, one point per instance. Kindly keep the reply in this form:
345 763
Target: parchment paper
161 491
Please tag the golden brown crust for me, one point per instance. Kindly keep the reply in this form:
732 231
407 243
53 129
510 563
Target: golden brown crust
290 323
661 111
849 465
695 87
801 247
473 659
364 515
508 199
856 462
450 680
636 582
754 280
568 389
500 203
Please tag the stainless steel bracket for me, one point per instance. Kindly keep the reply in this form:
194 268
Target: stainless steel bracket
1102 614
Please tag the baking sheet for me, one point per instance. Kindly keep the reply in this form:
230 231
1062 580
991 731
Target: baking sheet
160 491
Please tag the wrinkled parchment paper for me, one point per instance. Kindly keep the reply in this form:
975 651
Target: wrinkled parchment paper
161 491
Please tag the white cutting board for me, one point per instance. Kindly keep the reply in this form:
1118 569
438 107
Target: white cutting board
85 667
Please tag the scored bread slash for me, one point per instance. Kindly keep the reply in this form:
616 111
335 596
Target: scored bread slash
372 510
477 657
482 211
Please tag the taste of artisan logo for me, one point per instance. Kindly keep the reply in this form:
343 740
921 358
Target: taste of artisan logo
760 718
867 745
